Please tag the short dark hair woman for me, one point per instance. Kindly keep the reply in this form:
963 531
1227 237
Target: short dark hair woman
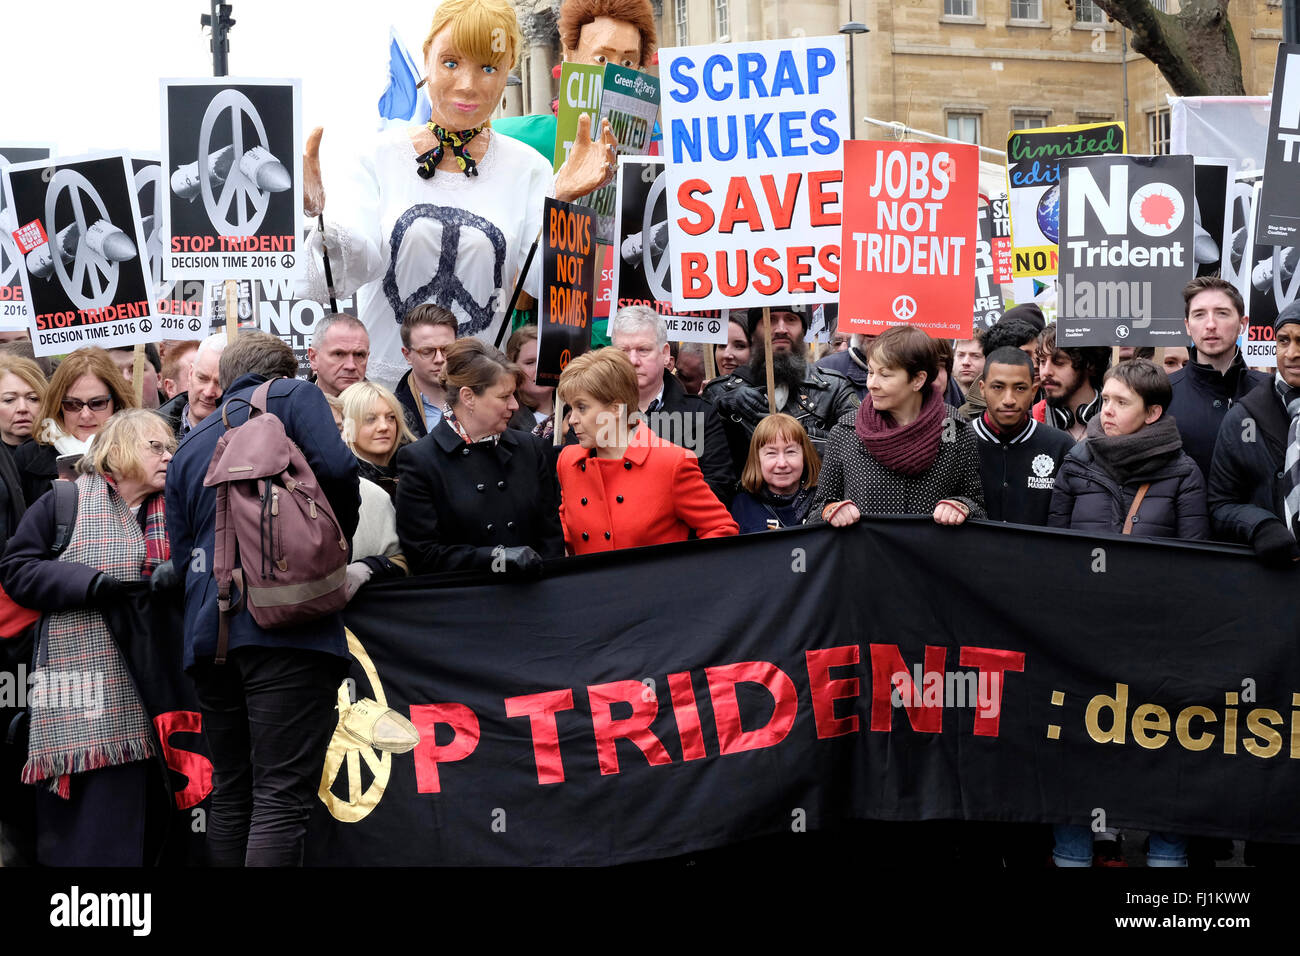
904 451
471 485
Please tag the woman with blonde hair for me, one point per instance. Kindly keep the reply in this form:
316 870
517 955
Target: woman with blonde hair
622 486
85 391
780 477
444 212
92 766
22 386
374 427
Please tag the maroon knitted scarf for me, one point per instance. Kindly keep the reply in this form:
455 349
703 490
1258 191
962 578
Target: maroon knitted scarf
909 450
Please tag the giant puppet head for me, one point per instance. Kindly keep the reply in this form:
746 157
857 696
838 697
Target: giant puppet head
470 48
608 31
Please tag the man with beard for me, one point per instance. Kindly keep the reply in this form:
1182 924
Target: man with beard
1216 375
1071 379
817 397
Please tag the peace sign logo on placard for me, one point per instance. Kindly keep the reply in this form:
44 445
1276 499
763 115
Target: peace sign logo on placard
8 250
90 269
241 206
151 175
657 274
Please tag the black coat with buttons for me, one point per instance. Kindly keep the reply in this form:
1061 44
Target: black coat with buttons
456 502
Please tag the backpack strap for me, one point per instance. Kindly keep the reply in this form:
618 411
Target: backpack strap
228 576
65 515
261 394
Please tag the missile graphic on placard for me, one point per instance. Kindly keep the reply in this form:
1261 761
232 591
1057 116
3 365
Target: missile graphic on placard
103 238
258 164
1262 277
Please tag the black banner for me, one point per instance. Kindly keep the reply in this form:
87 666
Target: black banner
568 286
13 308
1126 249
1278 223
781 682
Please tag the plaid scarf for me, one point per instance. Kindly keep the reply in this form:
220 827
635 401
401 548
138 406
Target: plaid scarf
85 713
457 142
1291 467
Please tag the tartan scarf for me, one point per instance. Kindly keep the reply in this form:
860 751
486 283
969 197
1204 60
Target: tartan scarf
457 142
1291 465
85 713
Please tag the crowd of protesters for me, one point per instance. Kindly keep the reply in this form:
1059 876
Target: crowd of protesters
469 464
444 454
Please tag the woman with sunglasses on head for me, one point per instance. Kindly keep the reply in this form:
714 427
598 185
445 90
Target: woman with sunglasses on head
84 392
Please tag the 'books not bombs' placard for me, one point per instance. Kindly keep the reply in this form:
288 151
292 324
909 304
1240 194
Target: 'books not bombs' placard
232 155
568 285
84 268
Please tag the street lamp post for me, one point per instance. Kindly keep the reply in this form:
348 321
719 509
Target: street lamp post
852 29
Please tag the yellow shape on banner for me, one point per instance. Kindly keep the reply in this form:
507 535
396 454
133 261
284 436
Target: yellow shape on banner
344 748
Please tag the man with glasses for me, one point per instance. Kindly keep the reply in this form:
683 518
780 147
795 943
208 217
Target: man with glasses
426 332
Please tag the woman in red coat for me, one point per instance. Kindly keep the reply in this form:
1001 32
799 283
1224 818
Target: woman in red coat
623 486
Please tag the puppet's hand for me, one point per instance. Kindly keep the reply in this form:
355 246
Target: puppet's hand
313 190
591 163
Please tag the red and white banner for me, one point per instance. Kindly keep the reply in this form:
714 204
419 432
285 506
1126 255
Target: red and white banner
909 237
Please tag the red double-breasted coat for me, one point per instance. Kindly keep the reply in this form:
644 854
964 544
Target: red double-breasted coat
654 494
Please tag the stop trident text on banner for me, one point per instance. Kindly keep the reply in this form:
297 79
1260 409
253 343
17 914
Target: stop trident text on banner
755 142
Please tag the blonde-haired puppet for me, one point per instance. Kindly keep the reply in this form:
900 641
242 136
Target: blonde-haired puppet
443 213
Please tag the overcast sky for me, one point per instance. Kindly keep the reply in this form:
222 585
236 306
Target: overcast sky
83 74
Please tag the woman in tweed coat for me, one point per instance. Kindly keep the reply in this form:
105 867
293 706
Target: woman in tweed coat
91 741
904 451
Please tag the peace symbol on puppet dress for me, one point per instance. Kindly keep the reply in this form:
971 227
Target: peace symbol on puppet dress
84 253
459 227
151 217
236 180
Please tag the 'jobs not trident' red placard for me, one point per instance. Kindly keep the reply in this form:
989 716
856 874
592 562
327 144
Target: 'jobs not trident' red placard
909 237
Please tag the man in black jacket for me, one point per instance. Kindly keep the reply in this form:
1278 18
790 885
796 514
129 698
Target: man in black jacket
1217 376
1252 496
816 397
1019 457
686 420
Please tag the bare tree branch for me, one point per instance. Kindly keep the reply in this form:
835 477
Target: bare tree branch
1194 49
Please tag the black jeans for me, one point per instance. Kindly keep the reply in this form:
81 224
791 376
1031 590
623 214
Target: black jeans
268 715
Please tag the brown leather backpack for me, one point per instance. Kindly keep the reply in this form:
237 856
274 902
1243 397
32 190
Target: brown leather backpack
277 540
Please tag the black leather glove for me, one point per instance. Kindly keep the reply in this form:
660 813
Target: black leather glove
105 589
1273 544
524 562
165 577
744 402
